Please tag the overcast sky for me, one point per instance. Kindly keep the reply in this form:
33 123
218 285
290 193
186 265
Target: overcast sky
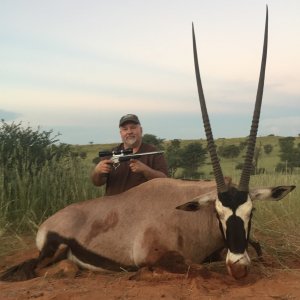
77 66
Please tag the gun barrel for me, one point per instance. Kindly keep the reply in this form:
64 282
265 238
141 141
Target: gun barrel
138 155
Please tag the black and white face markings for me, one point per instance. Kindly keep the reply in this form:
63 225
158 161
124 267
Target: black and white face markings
234 211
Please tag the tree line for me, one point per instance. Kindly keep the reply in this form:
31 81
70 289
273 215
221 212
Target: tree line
26 150
192 156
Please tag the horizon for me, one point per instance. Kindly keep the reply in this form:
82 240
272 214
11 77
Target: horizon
191 140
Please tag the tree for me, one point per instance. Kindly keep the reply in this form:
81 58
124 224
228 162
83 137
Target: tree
192 157
268 148
286 148
153 140
173 155
289 154
230 151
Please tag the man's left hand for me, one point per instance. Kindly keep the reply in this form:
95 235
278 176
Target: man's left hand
137 166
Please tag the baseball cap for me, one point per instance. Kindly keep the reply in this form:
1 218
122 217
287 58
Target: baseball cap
129 118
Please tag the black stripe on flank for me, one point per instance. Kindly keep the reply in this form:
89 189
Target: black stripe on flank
87 256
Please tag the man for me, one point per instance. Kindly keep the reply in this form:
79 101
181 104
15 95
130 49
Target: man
134 172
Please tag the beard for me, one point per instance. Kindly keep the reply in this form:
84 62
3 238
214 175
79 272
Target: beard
131 141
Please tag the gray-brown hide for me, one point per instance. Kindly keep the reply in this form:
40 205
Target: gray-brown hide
139 226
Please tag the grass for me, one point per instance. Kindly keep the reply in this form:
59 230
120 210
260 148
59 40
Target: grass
277 224
12 242
28 200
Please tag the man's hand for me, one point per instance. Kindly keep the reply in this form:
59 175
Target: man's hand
137 166
104 166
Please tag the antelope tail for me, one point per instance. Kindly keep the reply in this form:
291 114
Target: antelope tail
20 272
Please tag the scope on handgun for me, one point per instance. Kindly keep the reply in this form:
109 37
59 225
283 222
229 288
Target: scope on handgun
115 152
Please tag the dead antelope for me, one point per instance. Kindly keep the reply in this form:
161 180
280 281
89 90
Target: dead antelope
141 227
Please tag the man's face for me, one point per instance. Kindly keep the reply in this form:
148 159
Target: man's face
131 134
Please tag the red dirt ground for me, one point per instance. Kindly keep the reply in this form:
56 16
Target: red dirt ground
209 282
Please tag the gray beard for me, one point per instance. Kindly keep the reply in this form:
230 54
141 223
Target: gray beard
130 142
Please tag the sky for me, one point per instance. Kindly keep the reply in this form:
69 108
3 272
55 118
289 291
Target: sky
77 66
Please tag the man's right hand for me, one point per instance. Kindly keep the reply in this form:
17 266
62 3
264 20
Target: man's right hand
104 166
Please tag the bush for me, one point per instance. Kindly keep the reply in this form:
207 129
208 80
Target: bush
230 151
268 148
37 175
153 140
289 153
174 154
28 150
192 157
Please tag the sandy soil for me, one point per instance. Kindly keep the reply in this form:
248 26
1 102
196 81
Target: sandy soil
209 282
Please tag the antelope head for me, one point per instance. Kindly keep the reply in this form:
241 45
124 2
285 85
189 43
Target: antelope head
233 204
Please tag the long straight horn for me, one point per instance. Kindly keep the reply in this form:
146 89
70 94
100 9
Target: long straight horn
245 176
221 187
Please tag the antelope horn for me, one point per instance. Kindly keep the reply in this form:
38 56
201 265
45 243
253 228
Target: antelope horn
221 186
245 176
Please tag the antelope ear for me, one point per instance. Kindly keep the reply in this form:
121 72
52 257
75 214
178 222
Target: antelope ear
271 193
198 202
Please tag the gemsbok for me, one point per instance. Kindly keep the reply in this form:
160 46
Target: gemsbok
163 222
